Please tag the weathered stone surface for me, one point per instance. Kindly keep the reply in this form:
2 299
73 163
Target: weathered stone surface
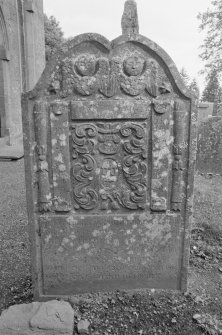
54 316
130 24
15 320
209 146
48 318
110 151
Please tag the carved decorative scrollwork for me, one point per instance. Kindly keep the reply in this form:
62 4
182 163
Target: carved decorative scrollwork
83 172
134 167
84 169
108 140
161 105
82 139
110 166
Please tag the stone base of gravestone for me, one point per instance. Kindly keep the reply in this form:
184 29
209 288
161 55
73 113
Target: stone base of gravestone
42 318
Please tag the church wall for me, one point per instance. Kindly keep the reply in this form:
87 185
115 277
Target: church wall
26 59
13 77
34 41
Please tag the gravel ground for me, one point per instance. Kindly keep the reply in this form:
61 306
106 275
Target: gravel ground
14 240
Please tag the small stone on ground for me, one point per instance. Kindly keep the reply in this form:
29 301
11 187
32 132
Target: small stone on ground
46 318
83 327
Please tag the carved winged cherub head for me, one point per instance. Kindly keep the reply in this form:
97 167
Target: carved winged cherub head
86 65
134 65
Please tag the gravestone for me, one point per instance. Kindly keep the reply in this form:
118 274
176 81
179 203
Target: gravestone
110 142
209 146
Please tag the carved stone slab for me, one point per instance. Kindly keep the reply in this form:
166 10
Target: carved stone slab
109 135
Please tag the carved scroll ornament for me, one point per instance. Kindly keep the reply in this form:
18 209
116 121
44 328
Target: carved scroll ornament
84 167
109 166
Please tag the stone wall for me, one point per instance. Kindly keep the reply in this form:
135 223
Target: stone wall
21 60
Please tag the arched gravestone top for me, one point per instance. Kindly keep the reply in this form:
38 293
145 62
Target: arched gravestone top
109 134
130 30
153 49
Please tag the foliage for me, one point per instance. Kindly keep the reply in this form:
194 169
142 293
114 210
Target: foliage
191 85
211 23
185 77
212 91
53 35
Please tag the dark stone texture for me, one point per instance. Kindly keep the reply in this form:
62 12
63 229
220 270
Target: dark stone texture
110 152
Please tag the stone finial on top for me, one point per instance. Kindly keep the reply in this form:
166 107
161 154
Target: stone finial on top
130 24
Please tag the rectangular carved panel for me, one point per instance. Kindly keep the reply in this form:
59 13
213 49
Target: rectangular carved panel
109 167
82 253
110 109
60 156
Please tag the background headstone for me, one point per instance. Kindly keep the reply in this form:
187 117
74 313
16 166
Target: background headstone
209 146
205 110
109 148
